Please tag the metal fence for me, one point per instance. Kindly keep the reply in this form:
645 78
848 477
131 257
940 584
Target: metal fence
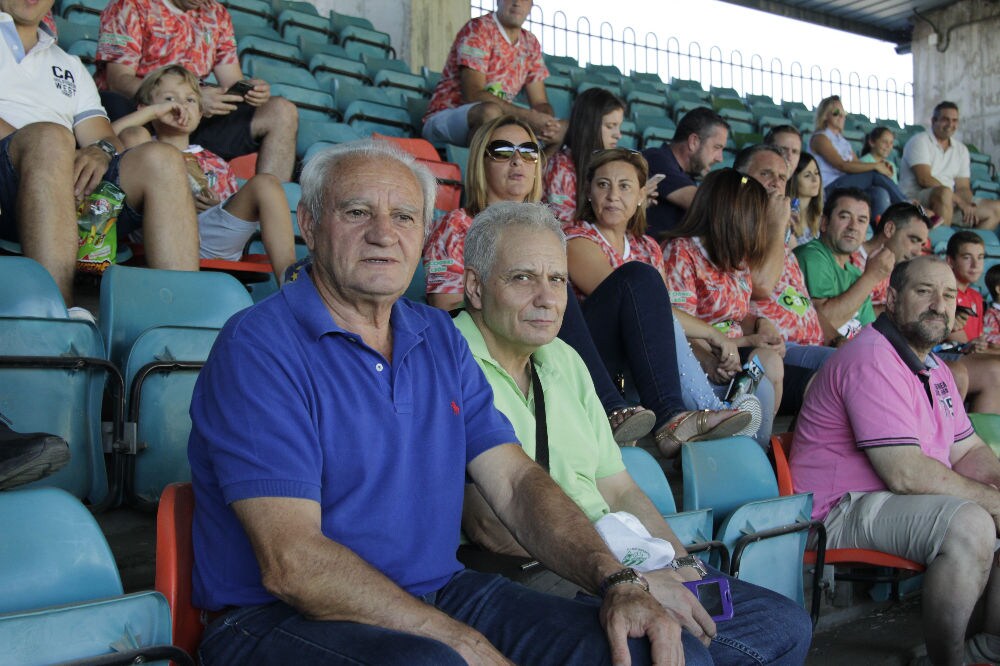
871 96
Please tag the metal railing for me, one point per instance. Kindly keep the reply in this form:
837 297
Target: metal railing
871 96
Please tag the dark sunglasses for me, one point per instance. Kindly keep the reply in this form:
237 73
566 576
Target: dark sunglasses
502 151
836 112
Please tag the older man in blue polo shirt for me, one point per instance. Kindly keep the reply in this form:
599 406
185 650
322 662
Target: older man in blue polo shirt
334 427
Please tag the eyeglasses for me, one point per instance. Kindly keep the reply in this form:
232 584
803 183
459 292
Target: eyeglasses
502 151
836 112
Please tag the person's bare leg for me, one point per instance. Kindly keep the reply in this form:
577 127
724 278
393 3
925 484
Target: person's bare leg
988 214
984 382
942 203
774 368
155 182
262 199
43 154
949 598
275 125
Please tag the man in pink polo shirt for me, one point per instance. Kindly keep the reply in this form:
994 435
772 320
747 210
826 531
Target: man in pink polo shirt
885 446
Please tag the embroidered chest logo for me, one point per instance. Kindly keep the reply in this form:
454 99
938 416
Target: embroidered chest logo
64 81
944 397
455 408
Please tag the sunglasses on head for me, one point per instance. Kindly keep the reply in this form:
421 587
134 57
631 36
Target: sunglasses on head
502 151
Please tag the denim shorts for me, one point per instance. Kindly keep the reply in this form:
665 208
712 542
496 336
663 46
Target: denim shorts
128 220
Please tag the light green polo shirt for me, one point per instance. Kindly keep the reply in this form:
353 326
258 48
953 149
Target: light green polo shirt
581 446
826 279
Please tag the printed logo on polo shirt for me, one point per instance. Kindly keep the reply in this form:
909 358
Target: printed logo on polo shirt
63 81
944 397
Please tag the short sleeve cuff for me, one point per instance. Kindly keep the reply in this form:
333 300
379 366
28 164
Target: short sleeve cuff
270 488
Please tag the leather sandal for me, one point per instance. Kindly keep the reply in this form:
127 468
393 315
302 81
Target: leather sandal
630 423
669 439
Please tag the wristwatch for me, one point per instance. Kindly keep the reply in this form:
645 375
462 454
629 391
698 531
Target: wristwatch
690 561
626 575
108 148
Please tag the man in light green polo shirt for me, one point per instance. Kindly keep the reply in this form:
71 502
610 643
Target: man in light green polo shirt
515 294
840 291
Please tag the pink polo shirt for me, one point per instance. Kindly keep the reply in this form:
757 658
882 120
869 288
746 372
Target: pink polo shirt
872 392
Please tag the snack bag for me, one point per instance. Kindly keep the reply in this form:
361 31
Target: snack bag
96 219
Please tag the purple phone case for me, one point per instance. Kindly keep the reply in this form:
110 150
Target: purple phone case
725 595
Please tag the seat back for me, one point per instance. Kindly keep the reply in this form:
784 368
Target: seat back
52 551
175 563
723 474
64 401
28 290
774 562
781 448
160 403
648 475
135 299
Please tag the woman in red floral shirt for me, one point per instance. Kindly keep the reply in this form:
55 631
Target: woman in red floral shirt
710 259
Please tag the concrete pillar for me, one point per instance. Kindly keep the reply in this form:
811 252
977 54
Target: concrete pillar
421 30
958 59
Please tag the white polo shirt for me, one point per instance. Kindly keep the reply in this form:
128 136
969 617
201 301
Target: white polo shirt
946 165
44 85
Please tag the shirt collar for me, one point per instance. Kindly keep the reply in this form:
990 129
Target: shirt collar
477 345
8 33
888 329
312 314
503 30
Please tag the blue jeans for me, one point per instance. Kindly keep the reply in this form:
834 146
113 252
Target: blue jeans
575 333
632 326
528 627
801 363
882 190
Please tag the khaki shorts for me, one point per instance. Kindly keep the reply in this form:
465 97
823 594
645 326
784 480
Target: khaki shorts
910 526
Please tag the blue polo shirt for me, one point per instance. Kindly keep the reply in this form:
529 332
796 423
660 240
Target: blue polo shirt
291 405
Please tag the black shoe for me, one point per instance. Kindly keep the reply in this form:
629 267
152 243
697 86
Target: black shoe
27 457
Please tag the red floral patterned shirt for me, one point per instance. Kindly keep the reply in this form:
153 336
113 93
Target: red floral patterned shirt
221 178
148 34
444 262
881 290
699 288
642 249
991 325
482 46
559 186
790 307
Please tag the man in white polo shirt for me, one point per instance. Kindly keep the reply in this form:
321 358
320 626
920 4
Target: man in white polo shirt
935 171
57 145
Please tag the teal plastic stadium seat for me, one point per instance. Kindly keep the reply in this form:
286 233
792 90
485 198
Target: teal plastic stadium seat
561 101
409 85
357 35
29 290
774 562
257 8
313 105
267 49
62 596
312 132
136 299
69 33
368 117
295 24
457 155
328 68
159 404
630 136
723 474
242 28
52 552
285 75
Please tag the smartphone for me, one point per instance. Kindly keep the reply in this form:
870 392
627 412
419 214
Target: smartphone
965 310
240 88
714 596
655 179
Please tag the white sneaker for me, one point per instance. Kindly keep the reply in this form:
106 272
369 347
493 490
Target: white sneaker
81 314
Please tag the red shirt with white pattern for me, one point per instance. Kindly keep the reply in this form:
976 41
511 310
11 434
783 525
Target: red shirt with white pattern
483 46
991 325
444 261
221 177
971 298
790 307
559 185
643 249
881 290
148 34
698 287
